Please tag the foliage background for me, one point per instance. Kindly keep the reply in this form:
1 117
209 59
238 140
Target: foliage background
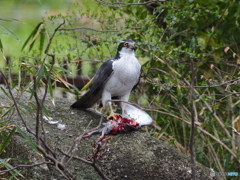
179 43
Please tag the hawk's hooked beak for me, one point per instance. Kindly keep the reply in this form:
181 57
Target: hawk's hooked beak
132 46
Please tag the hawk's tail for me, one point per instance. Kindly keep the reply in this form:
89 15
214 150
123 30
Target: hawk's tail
86 101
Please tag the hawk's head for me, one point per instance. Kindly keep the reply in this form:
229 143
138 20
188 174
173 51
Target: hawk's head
126 46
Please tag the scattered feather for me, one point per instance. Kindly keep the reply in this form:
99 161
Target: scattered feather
61 126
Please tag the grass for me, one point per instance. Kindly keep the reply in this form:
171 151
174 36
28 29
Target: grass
22 20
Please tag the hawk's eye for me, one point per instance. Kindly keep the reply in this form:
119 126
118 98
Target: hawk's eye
125 44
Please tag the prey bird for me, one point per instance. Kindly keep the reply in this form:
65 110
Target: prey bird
115 78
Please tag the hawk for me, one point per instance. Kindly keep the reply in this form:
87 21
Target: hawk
115 78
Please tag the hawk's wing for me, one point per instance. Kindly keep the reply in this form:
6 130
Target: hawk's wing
102 76
95 93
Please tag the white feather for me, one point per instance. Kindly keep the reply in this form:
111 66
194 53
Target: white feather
126 73
140 116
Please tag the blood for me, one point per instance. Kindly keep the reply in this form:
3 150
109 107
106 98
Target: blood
119 124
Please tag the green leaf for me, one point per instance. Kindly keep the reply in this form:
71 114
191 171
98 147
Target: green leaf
1 45
10 33
10 19
28 139
164 127
4 91
27 108
75 91
62 69
42 39
32 37
87 85
50 87
41 73
7 140
8 111
20 159
45 111
14 172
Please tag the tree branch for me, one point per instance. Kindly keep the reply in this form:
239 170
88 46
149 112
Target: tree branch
27 166
129 4
193 114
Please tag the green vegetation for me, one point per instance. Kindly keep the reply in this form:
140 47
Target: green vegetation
190 56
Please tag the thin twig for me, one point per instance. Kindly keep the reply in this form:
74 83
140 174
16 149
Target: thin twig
80 28
76 143
211 110
41 103
59 166
234 130
74 157
200 129
16 105
214 154
129 4
192 122
39 111
27 166
87 162
228 83
51 38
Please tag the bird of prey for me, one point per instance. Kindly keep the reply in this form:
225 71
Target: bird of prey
116 77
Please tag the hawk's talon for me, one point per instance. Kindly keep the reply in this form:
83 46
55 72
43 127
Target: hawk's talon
113 116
